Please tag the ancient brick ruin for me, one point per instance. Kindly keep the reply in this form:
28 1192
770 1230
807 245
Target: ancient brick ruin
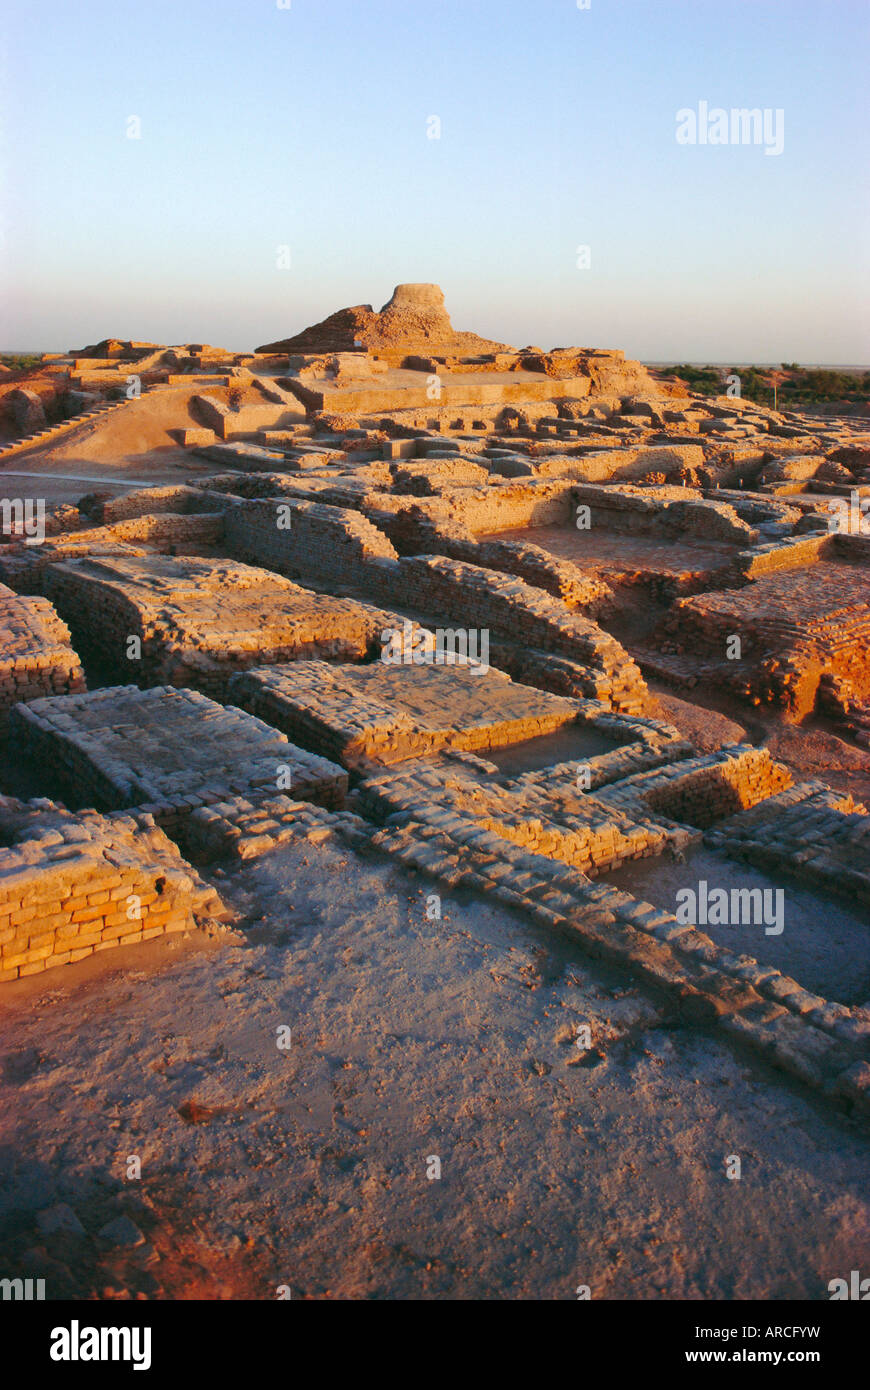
424 593
36 655
75 885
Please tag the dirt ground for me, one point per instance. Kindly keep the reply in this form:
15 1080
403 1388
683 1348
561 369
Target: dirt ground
68 480
412 1040
814 938
139 429
133 447
597 552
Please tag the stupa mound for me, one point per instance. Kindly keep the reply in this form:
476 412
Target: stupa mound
414 317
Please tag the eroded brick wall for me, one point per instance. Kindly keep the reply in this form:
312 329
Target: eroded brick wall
662 511
197 621
74 885
36 653
524 616
305 539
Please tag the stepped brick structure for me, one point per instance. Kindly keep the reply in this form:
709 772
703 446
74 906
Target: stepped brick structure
803 634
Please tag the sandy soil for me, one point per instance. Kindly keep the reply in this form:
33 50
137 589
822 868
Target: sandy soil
823 943
411 1039
597 552
707 729
125 435
69 479
133 447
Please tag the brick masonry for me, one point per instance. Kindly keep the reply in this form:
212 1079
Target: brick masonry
74 885
168 751
315 542
36 653
795 628
463 838
496 841
387 713
194 622
521 615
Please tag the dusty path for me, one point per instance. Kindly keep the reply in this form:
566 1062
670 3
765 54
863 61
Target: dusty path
411 1039
78 478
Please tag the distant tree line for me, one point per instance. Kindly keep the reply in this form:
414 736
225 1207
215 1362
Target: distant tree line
21 361
803 384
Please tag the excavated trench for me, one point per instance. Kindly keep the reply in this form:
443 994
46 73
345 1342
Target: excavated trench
571 743
822 944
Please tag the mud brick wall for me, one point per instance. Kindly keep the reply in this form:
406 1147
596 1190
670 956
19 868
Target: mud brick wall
241 829
334 491
36 654
242 455
700 791
817 835
356 492
412 532
228 486
179 500
652 745
316 706
507 506
541 570
795 629
577 829
199 621
24 568
429 527
165 531
501 506
168 751
232 424
425 478
100 613
659 512
74 885
791 552
321 542
485 599
599 465
58 519
603 839
562 676
159 532
852 548
824 1045
387 713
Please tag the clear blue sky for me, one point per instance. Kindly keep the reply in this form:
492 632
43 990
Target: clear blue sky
307 127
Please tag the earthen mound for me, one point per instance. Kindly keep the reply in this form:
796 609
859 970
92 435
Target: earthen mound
413 317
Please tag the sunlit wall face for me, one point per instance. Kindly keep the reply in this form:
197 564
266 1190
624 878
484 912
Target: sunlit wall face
231 172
